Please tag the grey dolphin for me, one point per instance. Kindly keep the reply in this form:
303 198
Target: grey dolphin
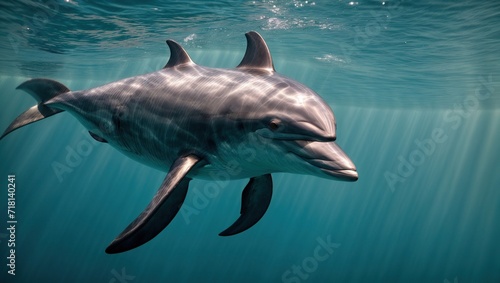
199 122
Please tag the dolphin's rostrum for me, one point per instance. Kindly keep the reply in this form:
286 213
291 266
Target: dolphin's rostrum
199 122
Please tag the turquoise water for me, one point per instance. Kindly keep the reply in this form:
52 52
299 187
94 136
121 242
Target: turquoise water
415 91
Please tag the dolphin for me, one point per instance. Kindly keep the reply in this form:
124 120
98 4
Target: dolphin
197 122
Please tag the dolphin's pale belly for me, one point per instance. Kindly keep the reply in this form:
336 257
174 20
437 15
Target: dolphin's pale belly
217 165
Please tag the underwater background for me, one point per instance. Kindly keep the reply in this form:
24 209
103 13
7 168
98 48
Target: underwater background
415 88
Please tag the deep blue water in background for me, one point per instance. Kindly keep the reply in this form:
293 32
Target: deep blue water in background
409 82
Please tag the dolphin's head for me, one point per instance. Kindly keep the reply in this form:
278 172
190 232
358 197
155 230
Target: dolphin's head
298 131
295 112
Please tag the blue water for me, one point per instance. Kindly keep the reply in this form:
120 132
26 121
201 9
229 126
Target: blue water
416 94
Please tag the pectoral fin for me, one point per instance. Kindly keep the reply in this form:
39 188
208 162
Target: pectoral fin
160 211
97 138
256 198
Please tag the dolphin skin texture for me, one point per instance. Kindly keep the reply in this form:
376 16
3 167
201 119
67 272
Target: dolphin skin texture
197 122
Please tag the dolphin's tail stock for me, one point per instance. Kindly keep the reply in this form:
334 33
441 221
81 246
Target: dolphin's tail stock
42 90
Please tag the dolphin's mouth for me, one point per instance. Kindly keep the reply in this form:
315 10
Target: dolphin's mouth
327 159
350 175
339 167
299 131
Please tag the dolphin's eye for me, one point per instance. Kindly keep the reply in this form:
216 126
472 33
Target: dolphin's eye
274 124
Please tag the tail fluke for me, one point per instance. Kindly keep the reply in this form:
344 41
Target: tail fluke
42 90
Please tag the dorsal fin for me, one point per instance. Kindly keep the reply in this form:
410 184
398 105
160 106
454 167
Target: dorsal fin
178 55
257 55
